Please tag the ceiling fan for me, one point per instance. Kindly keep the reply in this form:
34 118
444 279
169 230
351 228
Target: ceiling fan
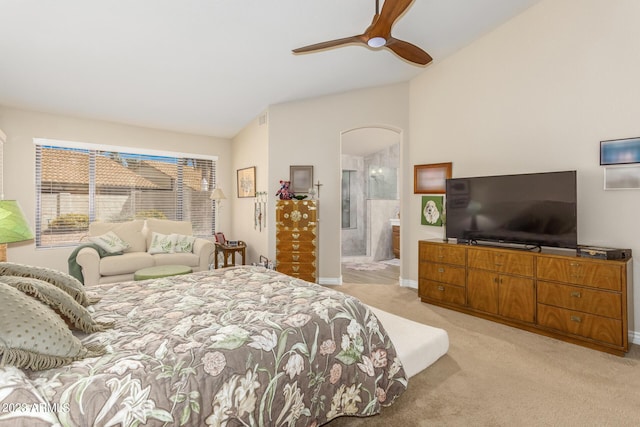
378 35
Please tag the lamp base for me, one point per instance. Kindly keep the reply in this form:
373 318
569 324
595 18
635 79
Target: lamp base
3 252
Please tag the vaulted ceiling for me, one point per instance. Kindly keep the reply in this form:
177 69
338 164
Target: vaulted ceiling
210 66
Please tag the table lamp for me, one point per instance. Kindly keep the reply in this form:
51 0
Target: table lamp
13 226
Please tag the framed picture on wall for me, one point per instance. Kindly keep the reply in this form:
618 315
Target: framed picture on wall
432 178
247 182
301 178
620 151
432 209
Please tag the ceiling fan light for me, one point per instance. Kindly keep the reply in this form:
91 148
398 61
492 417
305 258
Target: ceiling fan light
376 41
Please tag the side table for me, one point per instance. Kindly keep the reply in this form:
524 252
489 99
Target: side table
230 250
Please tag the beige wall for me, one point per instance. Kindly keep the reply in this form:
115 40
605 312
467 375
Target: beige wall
19 161
538 94
308 133
249 148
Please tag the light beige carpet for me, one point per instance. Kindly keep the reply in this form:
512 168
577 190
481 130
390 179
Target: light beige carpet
495 375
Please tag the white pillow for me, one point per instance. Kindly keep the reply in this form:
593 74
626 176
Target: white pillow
183 243
162 243
110 242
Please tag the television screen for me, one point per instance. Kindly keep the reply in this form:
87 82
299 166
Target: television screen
538 209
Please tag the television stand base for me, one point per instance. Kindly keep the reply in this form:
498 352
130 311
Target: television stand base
504 245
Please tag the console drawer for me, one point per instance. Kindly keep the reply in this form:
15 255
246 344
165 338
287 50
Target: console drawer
601 303
501 261
604 274
443 273
448 254
591 326
441 292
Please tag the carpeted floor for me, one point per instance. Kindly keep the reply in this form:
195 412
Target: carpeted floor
495 375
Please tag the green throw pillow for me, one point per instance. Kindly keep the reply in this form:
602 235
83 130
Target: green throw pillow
33 336
74 314
67 283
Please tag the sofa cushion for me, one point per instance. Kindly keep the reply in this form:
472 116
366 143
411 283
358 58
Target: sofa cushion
130 232
126 263
33 336
187 259
165 226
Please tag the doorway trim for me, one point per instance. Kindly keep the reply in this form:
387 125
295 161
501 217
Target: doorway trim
401 144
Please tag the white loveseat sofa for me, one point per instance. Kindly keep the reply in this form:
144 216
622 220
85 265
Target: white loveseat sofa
138 234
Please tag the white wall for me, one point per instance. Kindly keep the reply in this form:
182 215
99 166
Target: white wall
19 162
308 133
538 94
250 147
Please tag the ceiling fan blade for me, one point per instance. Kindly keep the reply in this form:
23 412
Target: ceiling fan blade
408 51
391 11
328 44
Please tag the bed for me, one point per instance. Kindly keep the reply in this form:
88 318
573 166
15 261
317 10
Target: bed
236 346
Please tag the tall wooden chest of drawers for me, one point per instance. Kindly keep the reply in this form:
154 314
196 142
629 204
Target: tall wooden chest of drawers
580 300
297 238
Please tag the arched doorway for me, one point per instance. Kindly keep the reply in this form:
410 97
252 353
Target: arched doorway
370 196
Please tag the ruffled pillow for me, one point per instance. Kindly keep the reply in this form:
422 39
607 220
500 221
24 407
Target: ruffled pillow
162 243
183 243
110 242
74 314
67 283
33 336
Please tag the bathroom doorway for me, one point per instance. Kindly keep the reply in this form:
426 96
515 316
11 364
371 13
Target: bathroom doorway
370 194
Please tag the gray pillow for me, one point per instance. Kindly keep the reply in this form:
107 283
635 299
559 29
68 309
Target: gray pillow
74 314
33 336
67 283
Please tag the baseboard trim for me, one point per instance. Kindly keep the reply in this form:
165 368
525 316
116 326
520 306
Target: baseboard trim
330 281
634 337
406 283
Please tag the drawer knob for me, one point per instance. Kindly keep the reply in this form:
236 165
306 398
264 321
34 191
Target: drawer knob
574 264
441 270
441 288
295 268
576 294
576 319
296 235
295 257
295 246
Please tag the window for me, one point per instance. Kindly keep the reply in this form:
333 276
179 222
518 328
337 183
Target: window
79 183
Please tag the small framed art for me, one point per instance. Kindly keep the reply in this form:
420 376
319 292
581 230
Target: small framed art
431 179
432 211
620 151
247 182
622 177
301 178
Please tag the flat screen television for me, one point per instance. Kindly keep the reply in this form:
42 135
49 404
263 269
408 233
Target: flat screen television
537 209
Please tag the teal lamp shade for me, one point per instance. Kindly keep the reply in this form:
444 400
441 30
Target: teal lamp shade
13 225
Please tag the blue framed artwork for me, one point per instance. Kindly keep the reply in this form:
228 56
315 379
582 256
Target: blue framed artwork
620 151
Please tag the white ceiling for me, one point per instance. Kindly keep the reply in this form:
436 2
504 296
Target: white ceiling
211 66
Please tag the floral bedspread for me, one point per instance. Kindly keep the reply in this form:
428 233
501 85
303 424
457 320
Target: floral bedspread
235 346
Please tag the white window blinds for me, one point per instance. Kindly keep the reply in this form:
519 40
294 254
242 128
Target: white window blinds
78 185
